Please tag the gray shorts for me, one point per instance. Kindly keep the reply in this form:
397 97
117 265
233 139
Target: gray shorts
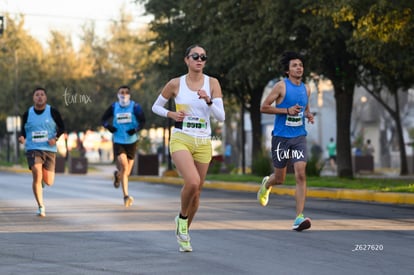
288 149
48 159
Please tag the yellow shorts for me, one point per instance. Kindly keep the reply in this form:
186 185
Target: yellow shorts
199 147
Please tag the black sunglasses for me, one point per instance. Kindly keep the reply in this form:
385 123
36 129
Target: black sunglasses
196 56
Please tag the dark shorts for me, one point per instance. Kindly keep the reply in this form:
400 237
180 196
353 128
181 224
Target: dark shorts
288 149
129 149
47 158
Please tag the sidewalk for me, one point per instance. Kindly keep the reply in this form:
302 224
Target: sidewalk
312 192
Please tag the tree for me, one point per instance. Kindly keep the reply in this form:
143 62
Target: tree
221 29
20 57
63 74
88 82
131 59
372 45
247 37
325 42
79 83
383 40
244 37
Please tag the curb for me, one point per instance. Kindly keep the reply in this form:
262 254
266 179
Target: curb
15 170
322 193
312 192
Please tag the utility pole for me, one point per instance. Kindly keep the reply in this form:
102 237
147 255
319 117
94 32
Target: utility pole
16 111
170 103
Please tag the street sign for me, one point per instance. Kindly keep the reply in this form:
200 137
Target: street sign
13 124
1 24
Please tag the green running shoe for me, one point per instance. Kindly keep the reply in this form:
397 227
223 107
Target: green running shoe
185 246
263 193
181 232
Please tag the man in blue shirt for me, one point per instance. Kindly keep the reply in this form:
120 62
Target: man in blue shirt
42 125
288 101
124 119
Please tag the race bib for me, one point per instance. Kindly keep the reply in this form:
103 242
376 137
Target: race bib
122 118
195 125
39 136
294 121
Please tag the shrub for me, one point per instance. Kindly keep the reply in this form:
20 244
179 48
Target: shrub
262 165
215 167
314 167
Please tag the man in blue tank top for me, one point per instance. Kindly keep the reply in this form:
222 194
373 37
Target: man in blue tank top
42 125
291 108
124 119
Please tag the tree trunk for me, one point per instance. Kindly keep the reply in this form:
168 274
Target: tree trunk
255 117
243 139
401 143
344 101
395 114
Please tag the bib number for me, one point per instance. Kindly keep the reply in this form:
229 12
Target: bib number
39 136
193 124
123 118
294 121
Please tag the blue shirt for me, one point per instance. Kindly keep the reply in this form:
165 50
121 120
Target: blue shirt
290 126
123 120
39 129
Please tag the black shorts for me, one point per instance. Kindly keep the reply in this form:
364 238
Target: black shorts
47 158
129 149
288 149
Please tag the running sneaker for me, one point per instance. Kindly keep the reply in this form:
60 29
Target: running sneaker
128 200
263 193
41 212
117 182
301 223
181 232
185 246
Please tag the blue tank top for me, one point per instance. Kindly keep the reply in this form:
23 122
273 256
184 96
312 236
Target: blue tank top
124 120
39 129
291 126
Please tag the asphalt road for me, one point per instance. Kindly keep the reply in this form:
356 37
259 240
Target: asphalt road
87 230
